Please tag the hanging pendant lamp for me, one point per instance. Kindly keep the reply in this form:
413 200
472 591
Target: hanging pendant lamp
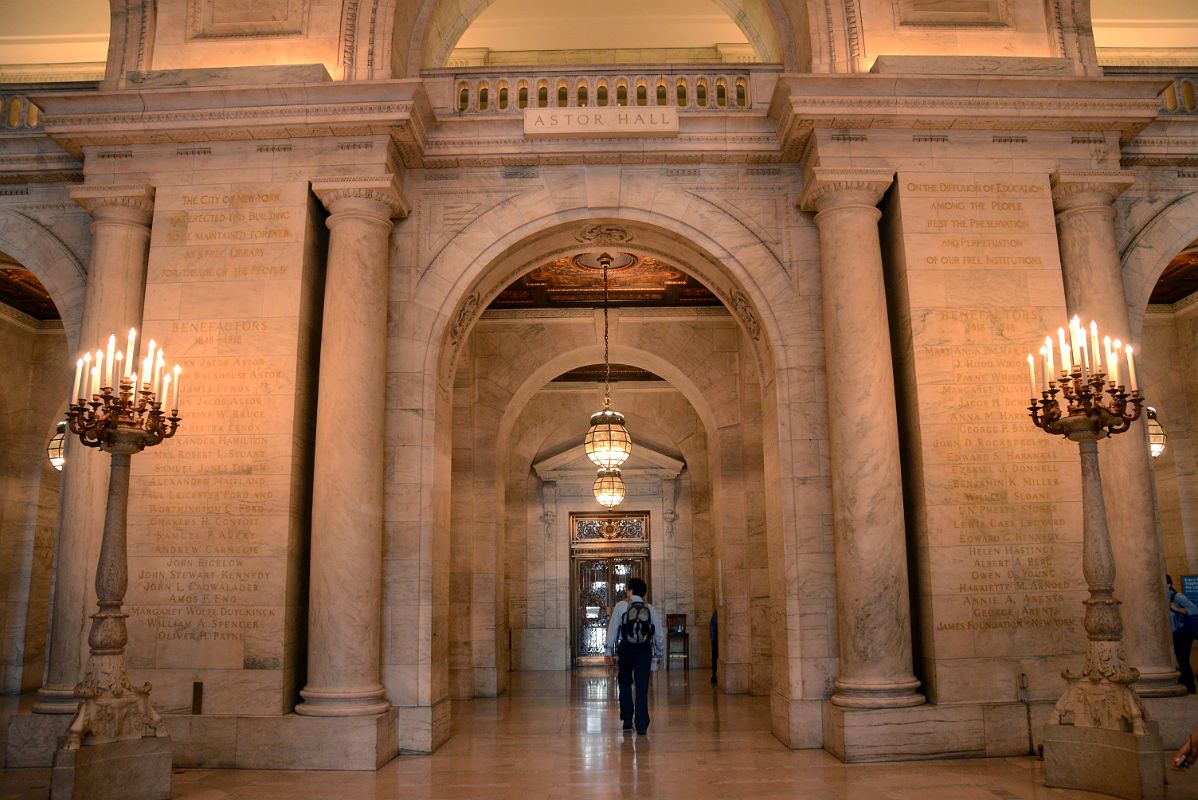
607 443
609 488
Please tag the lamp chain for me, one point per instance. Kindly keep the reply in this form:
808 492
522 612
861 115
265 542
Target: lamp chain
605 260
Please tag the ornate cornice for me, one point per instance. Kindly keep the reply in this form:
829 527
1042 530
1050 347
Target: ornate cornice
136 200
1072 189
385 190
804 103
398 108
829 187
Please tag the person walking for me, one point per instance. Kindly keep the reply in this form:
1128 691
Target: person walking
1183 617
635 635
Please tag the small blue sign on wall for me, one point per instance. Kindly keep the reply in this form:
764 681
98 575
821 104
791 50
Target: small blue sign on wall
1189 587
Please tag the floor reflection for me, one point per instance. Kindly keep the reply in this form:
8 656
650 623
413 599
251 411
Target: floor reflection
556 735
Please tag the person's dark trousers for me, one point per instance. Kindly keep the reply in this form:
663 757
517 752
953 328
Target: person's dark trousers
636 661
1182 641
715 657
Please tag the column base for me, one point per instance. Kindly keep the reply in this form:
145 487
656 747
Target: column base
56 700
1159 684
980 730
130 769
342 702
1119 763
894 694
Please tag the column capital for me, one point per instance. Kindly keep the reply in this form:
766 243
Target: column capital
339 193
129 202
1073 189
825 188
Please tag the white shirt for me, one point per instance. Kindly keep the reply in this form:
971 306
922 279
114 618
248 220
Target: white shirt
617 618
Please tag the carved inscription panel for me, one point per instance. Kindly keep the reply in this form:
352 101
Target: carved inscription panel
214 513
1000 530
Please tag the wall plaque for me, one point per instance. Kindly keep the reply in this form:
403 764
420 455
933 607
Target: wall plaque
600 121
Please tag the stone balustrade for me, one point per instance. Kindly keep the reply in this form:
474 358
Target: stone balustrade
1181 96
17 113
505 93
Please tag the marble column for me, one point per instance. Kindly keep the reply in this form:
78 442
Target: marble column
345 591
872 595
1093 276
116 283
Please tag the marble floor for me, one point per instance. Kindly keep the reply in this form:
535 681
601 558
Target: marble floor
557 736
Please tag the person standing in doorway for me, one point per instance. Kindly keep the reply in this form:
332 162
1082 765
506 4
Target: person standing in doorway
1183 617
635 635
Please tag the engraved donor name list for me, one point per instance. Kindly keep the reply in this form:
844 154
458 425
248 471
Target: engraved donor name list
980 267
214 526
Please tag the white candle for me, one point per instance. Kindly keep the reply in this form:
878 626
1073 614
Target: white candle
1051 372
108 360
1116 346
1031 368
95 381
1131 367
133 380
147 365
87 373
99 369
1075 334
1095 358
1044 365
129 350
166 386
175 402
155 383
1085 354
78 377
1065 365
118 370
1110 358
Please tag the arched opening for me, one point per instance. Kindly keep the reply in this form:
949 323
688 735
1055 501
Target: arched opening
497 369
33 355
505 32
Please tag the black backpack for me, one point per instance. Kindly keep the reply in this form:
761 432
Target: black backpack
636 626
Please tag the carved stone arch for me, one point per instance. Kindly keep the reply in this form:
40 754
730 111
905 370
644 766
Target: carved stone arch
438 25
364 46
48 257
837 41
525 243
1173 229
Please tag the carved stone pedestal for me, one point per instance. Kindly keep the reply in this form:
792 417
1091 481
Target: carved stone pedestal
130 769
1118 763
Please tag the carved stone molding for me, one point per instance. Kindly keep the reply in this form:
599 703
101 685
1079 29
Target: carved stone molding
385 190
1072 190
222 19
133 202
825 188
605 234
465 317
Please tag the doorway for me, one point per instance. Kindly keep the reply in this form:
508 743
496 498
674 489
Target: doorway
606 551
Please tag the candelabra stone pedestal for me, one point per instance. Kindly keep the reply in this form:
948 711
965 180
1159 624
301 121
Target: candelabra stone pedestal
1098 737
117 745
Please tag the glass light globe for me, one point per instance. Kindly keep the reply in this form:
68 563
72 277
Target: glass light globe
1156 434
609 488
607 443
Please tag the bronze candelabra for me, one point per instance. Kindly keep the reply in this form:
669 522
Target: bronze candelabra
120 423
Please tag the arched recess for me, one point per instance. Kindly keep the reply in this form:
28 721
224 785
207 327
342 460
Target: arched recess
510 239
28 484
1165 339
1173 229
46 256
438 26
